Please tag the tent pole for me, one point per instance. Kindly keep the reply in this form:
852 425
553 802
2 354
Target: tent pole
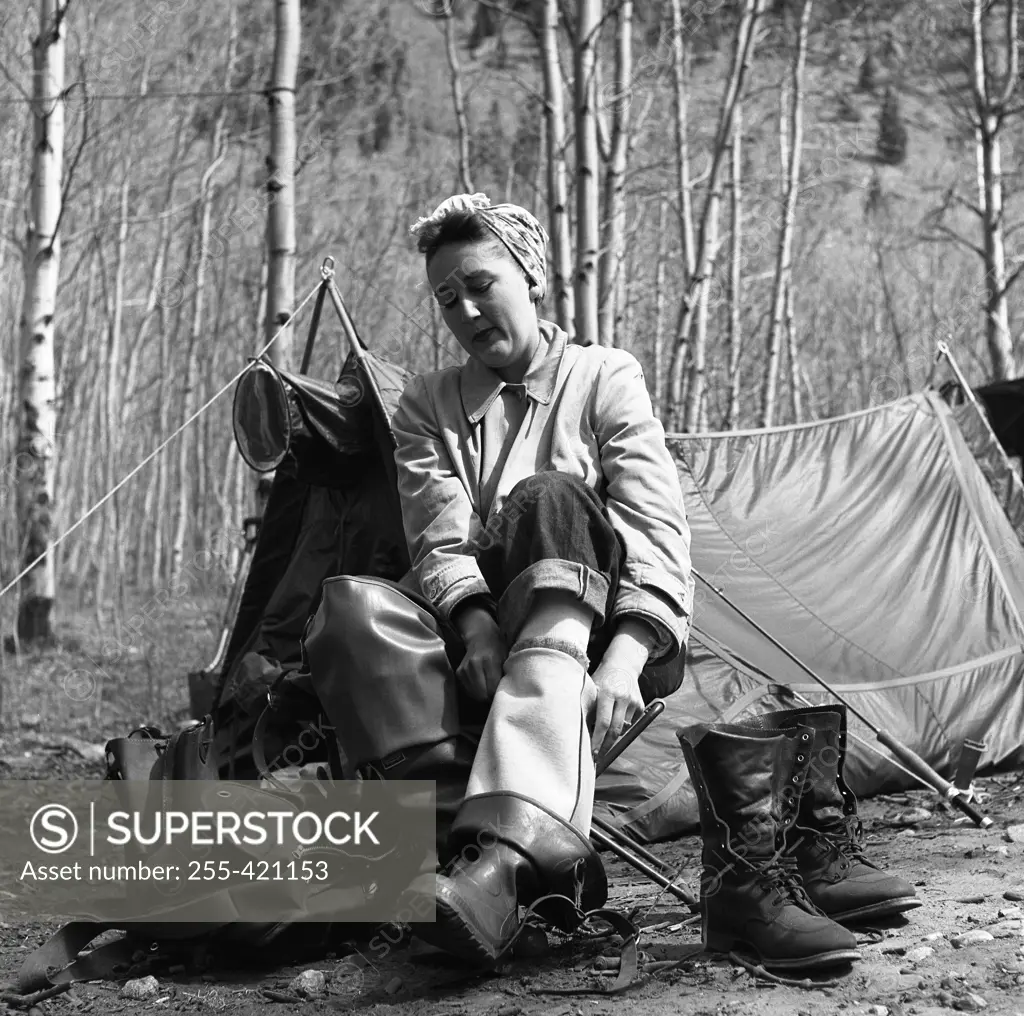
917 765
356 344
314 324
943 351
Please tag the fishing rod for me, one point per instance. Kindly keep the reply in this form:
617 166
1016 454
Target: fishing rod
617 840
913 762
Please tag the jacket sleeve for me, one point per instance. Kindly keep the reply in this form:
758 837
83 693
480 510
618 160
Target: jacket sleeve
644 502
437 513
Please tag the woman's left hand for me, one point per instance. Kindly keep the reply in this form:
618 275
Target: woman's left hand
618 681
619 702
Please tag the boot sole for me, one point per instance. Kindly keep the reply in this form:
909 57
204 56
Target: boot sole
453 933
829 959
888 908
825 959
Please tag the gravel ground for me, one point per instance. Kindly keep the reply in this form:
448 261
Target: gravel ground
962 951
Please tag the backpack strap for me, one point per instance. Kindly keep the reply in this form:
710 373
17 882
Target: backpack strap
56 961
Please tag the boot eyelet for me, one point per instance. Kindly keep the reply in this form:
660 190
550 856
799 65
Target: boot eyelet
800 758
805 737
796 779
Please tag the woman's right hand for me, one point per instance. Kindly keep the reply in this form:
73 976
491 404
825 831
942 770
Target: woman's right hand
482 666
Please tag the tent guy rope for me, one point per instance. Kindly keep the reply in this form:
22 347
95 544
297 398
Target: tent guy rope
159 448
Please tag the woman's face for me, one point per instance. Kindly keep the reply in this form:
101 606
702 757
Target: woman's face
485 301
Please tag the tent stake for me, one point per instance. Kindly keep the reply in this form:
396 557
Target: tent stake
917 765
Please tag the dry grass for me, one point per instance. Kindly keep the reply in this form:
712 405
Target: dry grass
112 674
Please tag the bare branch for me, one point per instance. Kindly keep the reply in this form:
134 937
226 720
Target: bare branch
70 174
27 96
952 234
1011 279
509 13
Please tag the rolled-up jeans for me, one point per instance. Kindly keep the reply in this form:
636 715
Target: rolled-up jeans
552 532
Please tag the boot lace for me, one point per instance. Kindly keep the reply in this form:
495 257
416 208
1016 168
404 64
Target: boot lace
782 875
844 840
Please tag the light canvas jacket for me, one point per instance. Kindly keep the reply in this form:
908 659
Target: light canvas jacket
584 411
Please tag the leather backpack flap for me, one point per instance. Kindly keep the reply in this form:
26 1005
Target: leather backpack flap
191 754
132 762
133 757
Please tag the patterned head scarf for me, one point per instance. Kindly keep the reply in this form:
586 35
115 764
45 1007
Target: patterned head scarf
519 231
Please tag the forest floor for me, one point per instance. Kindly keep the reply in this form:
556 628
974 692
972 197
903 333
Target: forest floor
969 880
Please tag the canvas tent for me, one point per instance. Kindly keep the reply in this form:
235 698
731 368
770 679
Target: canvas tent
883 548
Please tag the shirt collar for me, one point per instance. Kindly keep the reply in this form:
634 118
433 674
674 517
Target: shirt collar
480 385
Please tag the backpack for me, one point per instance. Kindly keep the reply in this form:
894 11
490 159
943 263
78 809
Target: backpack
225 744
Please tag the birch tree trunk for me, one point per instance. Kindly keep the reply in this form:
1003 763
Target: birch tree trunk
281 181
36 458
281 197
791 138
588 18
539 168
557 182
162 461
795 405
458 100
695 417
80 564
735 334
659 306
743 52
614 225
113 405
990 112
683 188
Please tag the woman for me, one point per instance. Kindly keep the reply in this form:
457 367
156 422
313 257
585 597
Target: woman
545 525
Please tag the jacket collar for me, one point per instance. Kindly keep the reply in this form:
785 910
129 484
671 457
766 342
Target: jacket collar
480 385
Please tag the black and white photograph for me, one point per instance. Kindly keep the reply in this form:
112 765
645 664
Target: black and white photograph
512 507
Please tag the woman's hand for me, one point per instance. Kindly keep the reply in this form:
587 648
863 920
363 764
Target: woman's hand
482 666
619 702
617 679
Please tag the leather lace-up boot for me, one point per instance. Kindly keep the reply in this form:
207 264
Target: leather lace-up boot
748 783
837 875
